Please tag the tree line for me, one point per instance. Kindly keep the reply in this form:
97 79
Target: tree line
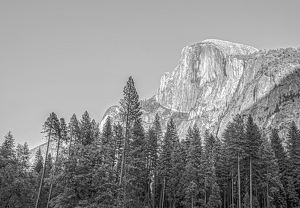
126 165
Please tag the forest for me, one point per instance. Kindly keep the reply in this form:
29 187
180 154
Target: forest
125 165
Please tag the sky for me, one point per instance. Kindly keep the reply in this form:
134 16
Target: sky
74 56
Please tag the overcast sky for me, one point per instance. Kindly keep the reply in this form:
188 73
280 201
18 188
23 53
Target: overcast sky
70 56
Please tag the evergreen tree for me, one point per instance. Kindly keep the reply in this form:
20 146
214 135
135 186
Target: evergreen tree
86 133
214 198
64 131
178 168
194 175
49 165
50 128
8 147
130 105
211 188
251 149
118 138
233 153
23 156
61 135
137 172
16 182
130 112
74 131
279 151
39 161
269 181
108 143
153 140
84 178
165 164
293 147
282 161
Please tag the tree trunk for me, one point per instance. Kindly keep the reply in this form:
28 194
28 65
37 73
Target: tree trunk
224 197
268 202
124 148
239 182
205 201
123 160
163 193
42 178
54 169
232 197
250 183
192 201
123 166
154 189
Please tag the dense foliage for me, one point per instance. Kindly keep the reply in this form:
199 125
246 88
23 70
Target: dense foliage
127 165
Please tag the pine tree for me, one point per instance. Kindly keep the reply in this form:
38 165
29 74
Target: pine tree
194 175
178 168
96 131
60 131
282 161
279 151
269 181
130 112
214 200
23 156
137 172
251 149
64 131
233 152
16 182
208 164
108 143
153 150
8 147
86 133
74 130
39 161
84 179
49 165
50 126
165 163
293 147
130 105
8 171
211 188
118 138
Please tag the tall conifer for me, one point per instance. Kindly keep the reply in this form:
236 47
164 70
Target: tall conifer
130 112
251 149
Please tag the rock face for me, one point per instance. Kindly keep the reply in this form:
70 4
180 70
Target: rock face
215 80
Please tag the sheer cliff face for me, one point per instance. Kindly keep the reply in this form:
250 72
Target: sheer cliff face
206 77
204 81
215 80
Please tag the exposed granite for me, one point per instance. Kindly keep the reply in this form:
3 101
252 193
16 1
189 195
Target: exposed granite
215 80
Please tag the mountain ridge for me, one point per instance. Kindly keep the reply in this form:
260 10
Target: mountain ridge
215 80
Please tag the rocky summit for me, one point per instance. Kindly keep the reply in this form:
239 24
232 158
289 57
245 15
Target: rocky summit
215 80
